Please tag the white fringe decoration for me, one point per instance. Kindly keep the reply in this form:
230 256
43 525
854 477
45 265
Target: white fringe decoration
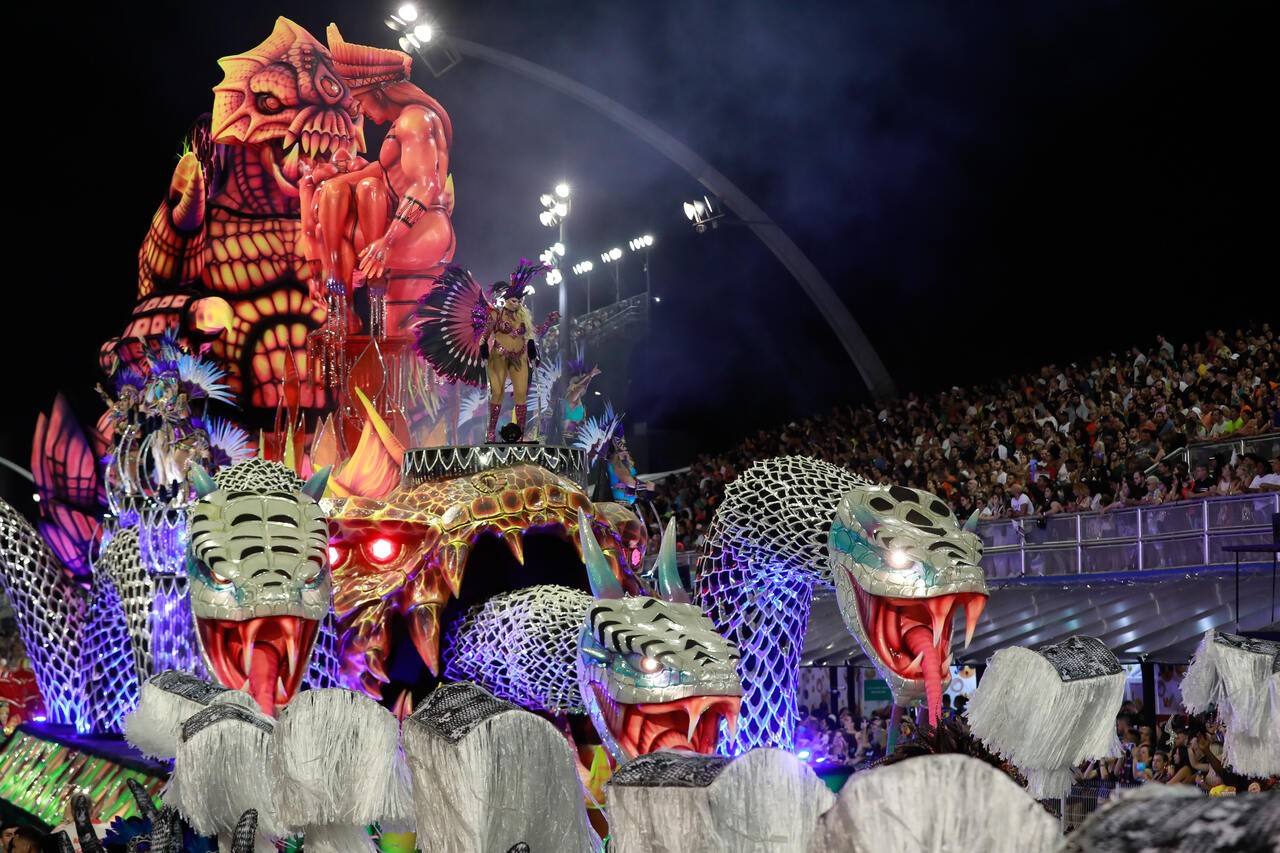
1245 752
510 779
336 838
765 801
661 817
221 771
338 763
154 726
935 804
1024 711
1201 685
1246 679
1240 684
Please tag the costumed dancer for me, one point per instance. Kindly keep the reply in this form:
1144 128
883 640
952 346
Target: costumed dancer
574 409
466 337
623 482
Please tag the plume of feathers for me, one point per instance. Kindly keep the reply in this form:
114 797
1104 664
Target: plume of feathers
542 387
524 273
597 433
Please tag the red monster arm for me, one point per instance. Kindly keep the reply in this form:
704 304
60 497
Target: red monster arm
171 252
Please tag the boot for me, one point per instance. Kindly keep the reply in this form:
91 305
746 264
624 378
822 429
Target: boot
522 414
492 435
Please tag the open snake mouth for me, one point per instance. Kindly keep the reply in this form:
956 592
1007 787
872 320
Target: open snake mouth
912 636
691 724
266 656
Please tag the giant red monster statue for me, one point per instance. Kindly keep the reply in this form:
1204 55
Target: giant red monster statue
220 262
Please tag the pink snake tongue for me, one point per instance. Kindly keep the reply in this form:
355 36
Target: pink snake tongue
920 639
263 672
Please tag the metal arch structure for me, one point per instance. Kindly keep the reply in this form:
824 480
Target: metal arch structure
847 330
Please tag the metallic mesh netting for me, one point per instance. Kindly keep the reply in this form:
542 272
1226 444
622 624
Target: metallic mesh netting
765 549
106 665
522 646
121 565
323 668
49 611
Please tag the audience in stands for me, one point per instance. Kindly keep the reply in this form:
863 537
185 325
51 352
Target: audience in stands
1095 436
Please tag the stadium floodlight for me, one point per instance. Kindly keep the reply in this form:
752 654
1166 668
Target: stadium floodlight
640 243
562 190
554 277
583 267
703 213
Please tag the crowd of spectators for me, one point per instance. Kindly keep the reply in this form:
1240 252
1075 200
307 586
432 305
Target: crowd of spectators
1186 750
1085 436
847 737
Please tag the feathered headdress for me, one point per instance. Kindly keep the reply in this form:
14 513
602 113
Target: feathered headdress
127 377
198 377
524 272
578 366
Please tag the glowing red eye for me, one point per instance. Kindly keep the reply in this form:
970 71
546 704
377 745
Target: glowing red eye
334 555
382 549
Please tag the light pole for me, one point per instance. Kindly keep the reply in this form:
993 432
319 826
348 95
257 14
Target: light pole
556 206
644 243
584 268
612 256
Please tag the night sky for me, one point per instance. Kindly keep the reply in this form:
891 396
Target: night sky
988 187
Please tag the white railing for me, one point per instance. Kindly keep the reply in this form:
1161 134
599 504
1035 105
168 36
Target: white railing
1140 538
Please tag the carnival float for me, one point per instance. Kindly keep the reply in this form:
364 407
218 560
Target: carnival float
275 568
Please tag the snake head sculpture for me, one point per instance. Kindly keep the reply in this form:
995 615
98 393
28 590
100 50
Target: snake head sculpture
903 567
653 671
259 573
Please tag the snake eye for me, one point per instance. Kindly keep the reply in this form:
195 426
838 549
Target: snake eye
218 579
645 664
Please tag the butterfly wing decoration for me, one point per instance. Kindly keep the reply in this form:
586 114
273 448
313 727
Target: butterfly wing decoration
72 502
451 316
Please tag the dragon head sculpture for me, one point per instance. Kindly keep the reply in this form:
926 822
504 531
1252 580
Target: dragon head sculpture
260 582
903 567
653 671
285 100
400 554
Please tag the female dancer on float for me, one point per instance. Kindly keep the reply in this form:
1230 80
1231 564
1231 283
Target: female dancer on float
509 348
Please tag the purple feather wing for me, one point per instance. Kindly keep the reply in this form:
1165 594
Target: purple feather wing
451 316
